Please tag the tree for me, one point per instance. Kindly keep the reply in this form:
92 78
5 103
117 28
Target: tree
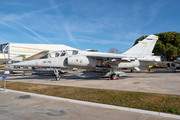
114 50
159 48
171 51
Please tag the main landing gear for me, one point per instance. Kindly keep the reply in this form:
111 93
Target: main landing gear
113 76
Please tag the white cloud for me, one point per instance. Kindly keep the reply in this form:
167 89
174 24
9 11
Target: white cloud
21 32
39 36
106 22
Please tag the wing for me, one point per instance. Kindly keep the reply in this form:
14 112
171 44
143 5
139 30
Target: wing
107 56
110 59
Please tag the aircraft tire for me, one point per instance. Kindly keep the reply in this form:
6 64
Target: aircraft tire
113 76
57 78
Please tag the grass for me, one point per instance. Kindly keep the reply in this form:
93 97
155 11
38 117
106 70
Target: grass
146 101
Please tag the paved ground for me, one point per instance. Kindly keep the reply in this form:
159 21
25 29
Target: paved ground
159 81
16 106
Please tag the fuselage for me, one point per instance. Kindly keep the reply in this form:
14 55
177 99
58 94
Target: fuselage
91 60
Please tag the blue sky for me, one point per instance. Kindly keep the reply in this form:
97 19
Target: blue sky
86 24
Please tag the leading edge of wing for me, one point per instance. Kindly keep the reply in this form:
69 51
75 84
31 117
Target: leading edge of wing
107 56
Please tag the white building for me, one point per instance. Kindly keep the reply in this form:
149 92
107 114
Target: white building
10 50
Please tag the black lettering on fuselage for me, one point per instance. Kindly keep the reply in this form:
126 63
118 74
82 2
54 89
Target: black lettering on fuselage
46 61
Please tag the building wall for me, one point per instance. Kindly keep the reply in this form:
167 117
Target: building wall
3 56
28 50
23 51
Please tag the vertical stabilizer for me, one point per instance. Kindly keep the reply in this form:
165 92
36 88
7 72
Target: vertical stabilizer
144 47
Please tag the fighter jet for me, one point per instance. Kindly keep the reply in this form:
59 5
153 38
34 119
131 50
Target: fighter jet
98 64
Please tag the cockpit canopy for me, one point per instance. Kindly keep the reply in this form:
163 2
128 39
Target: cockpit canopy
60 53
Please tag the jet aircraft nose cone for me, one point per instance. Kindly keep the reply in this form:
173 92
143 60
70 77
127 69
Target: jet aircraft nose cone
31 63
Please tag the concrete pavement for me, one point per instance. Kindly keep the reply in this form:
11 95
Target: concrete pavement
18 106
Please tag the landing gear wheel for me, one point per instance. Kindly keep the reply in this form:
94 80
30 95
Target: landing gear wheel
56 72
57 78
23 74
114 77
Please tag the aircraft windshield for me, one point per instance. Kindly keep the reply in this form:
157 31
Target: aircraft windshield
60 53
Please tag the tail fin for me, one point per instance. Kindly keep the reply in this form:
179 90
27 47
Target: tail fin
144 47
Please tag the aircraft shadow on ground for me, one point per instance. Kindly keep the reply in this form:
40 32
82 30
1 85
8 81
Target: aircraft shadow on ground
154 71
19 77
53 78
73 77
164 71
80 79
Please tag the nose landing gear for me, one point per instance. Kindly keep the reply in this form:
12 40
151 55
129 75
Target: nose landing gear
56 72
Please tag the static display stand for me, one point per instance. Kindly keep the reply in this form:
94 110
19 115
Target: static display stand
4 79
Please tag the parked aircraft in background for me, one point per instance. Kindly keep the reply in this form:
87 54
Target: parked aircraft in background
98 64
13 60
177 60
172 65
175 65
3 60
